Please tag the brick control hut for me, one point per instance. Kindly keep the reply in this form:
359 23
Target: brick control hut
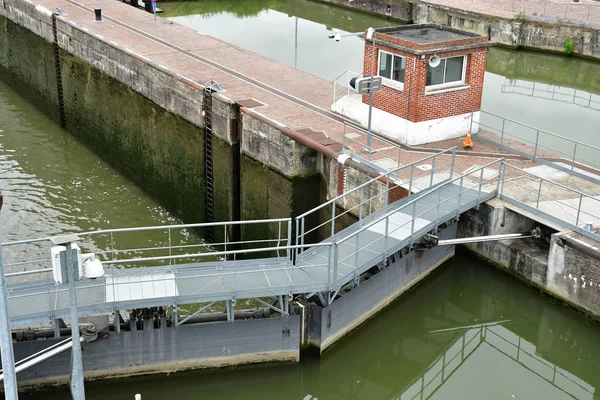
421 102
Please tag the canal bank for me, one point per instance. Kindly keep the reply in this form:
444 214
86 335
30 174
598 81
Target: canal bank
263 140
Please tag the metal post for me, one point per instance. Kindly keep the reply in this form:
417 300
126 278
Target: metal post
459 196
360 205
471 122
357 250
410 179
170 245
452 163
333 218
296 46
289 240
369 136
432 171
479 190
502 132
573 161
537 138
412 224
6 345
579 208
537 204
76 384
387 191
297 239
302 247
385 240
335 262
117 321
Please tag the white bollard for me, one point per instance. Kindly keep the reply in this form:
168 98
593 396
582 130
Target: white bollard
138 397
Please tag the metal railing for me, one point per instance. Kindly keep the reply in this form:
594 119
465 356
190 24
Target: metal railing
381 155
341 84
374 194
552 92
164 245
577 158
564 206
420 222
545 10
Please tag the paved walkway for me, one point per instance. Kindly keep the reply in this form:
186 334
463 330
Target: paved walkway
294 98
584 12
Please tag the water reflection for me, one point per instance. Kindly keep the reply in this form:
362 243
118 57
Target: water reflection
552 92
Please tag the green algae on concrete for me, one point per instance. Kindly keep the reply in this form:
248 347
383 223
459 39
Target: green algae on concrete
27 65
157 150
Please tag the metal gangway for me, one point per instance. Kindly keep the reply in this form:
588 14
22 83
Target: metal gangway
322 257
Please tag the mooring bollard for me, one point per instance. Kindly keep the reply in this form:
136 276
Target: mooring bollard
98 12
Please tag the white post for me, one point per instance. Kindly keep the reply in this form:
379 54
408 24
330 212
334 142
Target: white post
77 387
6 346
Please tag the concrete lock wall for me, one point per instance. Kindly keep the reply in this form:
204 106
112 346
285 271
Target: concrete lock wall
513 32
166 350
398 9
563 267
328 325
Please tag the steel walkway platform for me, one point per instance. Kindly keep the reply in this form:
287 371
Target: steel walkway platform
324 266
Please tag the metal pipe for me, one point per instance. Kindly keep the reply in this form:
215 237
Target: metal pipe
477 239
43 356
6 346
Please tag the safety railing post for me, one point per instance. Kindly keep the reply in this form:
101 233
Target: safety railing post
302 246
579 209
332 218
537 203
437 212
361 204
573 160
460 191
357 251
335 263
471 122
412 224
537 139
480 184
387 191
499 177
297 240
452 163
330 266
224 241
410 179
502 132
289 240
432 171
385 240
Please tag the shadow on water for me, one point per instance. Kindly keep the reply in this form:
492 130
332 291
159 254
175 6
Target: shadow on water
467 332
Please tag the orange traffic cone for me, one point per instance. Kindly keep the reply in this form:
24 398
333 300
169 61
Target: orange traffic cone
468 141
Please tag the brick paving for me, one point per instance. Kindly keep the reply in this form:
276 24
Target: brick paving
254 67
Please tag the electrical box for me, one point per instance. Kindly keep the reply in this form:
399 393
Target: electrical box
59 263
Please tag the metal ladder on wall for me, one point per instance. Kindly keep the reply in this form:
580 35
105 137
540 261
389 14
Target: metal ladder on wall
208 159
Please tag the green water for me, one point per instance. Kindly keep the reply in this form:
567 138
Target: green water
497 339
52 184
565 100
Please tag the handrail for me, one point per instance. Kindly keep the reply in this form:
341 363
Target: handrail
153 227
541 130
419 197
214 254
551 181
452 149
